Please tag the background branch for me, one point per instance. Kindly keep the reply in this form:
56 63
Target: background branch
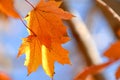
112 15
84 40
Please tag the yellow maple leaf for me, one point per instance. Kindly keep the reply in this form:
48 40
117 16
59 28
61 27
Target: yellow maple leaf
7 7
32 48
47 33
57 53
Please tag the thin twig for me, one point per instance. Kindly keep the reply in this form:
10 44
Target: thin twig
115 15
30 4
52 78
112 17
27 27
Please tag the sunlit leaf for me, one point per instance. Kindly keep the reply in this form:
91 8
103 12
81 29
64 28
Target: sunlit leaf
47 34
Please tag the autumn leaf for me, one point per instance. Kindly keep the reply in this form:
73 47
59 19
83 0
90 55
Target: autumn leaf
3 16
7 7
92 70
118 32
47 33
4 76
118 73
31 46
114 51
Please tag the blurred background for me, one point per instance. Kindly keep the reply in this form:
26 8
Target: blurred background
92 31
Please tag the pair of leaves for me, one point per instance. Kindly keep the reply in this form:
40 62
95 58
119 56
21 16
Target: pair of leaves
113 53
7 8
46 34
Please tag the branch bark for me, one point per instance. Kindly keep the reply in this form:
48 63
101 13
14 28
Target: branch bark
112 16
85 42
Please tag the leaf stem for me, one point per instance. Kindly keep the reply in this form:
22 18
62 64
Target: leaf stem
27 27
52 78
30 4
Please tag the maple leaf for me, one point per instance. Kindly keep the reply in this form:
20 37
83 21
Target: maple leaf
47 33
3 16
118 73
31 46
92 70
113 52
4 76
7 7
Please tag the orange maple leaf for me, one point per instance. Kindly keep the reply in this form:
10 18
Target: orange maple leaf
7 7
32 47
114 51
92 70
47 33
118 73
3 16
4 76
